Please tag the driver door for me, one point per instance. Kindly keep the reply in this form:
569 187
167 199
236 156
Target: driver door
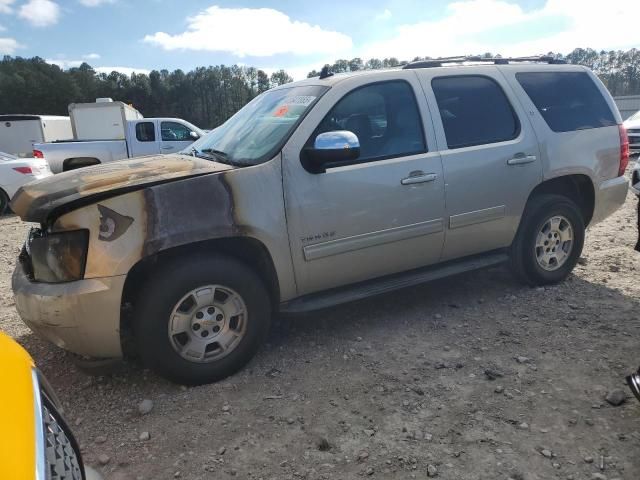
380 214
174 137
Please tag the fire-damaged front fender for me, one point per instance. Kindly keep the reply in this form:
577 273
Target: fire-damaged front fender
134 226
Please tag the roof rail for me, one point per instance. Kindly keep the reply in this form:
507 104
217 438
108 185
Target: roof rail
438 62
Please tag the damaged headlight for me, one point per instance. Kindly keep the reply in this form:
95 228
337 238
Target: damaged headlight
59 257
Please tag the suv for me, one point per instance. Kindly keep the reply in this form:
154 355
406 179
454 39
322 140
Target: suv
320 192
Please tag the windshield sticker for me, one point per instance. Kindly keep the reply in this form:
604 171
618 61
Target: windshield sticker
281 111
304 100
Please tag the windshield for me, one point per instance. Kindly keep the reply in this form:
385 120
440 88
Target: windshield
257 131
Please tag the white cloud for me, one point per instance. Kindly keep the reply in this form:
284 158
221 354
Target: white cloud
94 3
64 64
40 13
125 70
474 26
8 46
91 56
5 6
256 32
385 15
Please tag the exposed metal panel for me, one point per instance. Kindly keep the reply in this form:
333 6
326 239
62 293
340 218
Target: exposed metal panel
477 216
356 242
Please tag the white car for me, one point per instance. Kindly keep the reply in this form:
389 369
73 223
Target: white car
16 172
632 124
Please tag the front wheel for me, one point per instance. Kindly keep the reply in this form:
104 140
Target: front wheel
201 319
549 240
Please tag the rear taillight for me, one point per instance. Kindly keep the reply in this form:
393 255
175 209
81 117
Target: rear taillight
38 154
624 150
24 170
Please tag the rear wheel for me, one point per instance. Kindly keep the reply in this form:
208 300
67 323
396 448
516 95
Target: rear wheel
201 319
4 202
549 240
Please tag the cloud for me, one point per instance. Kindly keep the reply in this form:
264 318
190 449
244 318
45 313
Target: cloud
94 3
385 15
8 46
91 56
65 64
256 32
40 13
125 70
478 26
5 6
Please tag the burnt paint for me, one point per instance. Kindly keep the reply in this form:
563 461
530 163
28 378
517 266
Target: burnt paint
188 211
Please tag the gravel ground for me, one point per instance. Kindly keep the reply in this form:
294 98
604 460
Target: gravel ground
397 386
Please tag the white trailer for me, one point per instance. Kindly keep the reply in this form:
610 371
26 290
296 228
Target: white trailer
102 120
18 133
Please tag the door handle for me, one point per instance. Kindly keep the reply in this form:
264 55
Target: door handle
167 147
418 177
521 159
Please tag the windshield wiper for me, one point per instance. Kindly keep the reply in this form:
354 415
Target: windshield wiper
211 154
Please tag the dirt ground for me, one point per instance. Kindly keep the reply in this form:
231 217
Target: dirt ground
391 387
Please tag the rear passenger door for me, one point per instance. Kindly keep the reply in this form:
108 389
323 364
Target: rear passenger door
143 138
489 154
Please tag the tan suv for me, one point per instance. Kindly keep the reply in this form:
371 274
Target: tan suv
316 193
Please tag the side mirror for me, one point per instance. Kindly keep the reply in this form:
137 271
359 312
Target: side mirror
330 149
194 135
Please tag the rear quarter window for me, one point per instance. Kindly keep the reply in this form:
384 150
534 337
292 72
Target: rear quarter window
567 101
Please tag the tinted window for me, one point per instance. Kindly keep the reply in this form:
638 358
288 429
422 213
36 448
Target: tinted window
474 111
145 132
567 100
175 132
385 118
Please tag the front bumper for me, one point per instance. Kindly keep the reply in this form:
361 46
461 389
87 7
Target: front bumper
610 196
82 317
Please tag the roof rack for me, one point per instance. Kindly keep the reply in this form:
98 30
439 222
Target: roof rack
438 62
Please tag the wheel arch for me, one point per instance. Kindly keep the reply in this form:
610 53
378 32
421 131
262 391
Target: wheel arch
247 250
577 187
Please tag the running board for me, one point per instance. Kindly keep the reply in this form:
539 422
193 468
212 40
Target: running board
358 291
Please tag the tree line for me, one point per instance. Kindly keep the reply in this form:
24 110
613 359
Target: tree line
619 70
207 96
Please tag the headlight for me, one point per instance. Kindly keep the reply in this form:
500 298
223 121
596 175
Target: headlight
59 257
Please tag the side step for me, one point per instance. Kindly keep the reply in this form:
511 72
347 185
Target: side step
358 291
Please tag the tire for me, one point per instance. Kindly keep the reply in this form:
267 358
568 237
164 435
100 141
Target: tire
165 318
4 202
527 255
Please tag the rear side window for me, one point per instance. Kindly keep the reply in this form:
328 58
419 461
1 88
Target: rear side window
145 132
474 111
567 101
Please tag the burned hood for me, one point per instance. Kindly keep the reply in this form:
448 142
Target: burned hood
36 201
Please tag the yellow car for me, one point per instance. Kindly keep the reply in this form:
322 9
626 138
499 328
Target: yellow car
36 443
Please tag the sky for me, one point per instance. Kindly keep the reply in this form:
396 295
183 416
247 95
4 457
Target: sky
299 36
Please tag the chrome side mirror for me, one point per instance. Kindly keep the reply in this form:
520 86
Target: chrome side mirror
194 135
331 149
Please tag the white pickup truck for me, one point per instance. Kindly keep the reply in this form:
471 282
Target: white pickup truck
144 136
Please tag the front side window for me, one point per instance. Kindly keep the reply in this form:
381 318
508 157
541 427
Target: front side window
145 132
474 111
259 130
174 132
384 117
567 101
